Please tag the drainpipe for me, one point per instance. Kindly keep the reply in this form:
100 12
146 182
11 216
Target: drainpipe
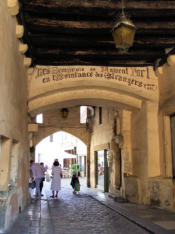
88 166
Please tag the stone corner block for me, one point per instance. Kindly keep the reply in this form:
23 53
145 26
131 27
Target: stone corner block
159 71
171 60
27 62
13 7
30 71
19 31
23 48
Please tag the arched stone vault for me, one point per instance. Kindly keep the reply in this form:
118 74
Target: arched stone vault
48 86
84 94
82 134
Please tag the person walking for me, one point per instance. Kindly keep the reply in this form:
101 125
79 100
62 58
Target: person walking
56 180
43 179
37 176
75 183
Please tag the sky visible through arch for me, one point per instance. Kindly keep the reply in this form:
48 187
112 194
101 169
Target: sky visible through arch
54 147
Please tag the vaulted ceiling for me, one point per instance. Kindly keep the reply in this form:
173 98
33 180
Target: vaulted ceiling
78 32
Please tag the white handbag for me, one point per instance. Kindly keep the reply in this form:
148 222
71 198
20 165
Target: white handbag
47 177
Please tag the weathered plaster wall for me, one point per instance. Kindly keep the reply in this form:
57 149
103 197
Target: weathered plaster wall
135 148
146 160
167 85
162 188
162 192
73 85
13 122
151 158
53 122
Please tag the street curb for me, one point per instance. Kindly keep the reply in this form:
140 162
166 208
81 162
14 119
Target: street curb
148 226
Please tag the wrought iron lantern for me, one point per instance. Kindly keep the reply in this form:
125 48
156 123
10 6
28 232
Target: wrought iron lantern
64 113
123 32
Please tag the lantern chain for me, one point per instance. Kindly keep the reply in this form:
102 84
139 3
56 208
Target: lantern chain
123 7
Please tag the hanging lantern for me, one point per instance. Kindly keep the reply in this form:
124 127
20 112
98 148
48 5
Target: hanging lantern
64 113
123 33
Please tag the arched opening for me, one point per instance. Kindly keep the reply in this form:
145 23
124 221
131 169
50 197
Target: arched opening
69 150
65 147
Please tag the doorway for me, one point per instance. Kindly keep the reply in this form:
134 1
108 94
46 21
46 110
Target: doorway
102 178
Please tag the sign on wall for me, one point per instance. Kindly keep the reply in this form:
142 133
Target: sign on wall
140 78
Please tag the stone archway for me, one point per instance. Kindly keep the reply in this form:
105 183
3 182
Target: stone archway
121 88
82 134
67 85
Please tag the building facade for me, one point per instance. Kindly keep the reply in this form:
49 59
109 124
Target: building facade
129 133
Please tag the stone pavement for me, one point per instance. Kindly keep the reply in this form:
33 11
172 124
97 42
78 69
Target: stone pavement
91 212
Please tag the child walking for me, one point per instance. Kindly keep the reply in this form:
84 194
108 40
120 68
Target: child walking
75 183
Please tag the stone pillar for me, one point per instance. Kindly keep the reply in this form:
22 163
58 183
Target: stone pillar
168 147
134 152
115 161
153 144
127 145
5 164
88 166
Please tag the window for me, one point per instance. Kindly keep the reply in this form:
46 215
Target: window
172 122
39 118
83 114
100 115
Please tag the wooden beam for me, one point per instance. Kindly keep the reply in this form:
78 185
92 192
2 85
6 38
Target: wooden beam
61 37
154 42
52 62
88 41
93 59
49 53
131 4
83 39
95 31
79 32
54 24
79 13
69 43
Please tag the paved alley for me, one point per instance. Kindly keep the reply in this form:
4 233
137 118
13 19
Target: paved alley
72 214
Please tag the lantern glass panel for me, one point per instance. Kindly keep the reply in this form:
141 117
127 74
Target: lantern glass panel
123 36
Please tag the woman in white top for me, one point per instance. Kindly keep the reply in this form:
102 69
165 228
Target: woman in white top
56 180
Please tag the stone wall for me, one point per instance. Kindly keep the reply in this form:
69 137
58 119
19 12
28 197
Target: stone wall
13 123
148 148
162 193
53 122
167 86
134 130
162 189
143 147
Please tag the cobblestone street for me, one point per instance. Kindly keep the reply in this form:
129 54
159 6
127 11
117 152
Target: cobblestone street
72 214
